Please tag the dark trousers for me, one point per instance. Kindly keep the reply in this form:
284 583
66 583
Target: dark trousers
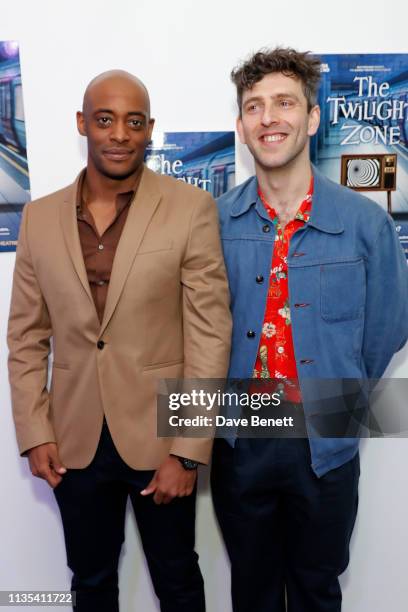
92 503
287 532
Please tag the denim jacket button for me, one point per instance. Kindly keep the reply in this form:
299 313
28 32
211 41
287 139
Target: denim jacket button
259 279
251 334
266 229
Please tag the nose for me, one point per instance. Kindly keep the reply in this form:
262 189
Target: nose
119 131
269 115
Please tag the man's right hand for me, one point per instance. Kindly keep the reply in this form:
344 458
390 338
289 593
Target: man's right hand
45 463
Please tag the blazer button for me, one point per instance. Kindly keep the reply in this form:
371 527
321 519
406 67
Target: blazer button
251 334
266 229
100 344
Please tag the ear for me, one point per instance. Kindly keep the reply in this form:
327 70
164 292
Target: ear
240 130
313 121
81 123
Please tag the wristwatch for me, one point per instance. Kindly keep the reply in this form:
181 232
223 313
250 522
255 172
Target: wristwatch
188 464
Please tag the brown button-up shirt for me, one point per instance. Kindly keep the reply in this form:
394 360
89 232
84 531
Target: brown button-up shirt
99 251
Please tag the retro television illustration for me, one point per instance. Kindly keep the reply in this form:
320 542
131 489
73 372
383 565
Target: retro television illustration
374 172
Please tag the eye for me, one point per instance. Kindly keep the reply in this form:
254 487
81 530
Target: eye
252 108
286 103
104 121
136 124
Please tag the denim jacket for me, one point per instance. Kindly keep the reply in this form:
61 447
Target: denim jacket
348 292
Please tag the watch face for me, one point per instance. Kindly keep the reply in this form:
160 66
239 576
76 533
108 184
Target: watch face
189 464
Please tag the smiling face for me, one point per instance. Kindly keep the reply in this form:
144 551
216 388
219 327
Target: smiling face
116 122
275 123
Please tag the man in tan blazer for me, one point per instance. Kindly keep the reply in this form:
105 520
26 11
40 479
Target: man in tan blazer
123 271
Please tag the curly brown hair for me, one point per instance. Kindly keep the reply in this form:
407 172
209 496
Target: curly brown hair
289 62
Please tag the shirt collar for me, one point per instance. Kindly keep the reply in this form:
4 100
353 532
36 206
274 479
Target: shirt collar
302 213
247 197
122 199
327 197
326 194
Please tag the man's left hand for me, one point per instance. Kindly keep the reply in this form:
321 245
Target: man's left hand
169 481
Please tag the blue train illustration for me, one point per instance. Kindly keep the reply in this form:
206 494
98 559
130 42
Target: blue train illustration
202 159
215 164
12 127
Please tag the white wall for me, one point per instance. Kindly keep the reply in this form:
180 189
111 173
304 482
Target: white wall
184 52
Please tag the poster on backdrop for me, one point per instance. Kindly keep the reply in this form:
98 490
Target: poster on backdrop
363 137
203 159
14 179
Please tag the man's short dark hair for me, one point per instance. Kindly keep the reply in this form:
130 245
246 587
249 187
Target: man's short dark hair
303 66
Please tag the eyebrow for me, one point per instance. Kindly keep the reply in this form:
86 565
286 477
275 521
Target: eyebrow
278 95
111 112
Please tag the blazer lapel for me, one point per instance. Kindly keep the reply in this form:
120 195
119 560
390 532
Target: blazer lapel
141 211
69 223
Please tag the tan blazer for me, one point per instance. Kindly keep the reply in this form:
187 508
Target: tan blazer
166 316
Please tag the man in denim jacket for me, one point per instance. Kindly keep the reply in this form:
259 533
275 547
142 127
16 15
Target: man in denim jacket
319 289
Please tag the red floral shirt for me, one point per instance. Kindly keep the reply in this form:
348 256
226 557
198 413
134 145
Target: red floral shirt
276 357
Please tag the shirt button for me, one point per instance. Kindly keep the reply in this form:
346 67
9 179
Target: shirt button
259 279
251 334
280 350
100 344
101 247
266 229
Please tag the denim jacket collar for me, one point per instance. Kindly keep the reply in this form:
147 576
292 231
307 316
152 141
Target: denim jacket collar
324 215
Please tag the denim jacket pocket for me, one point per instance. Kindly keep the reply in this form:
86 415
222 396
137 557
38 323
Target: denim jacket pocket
342 290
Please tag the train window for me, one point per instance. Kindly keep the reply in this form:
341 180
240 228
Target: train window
18 103
218 182
2 102
230 177
6 101
404 122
